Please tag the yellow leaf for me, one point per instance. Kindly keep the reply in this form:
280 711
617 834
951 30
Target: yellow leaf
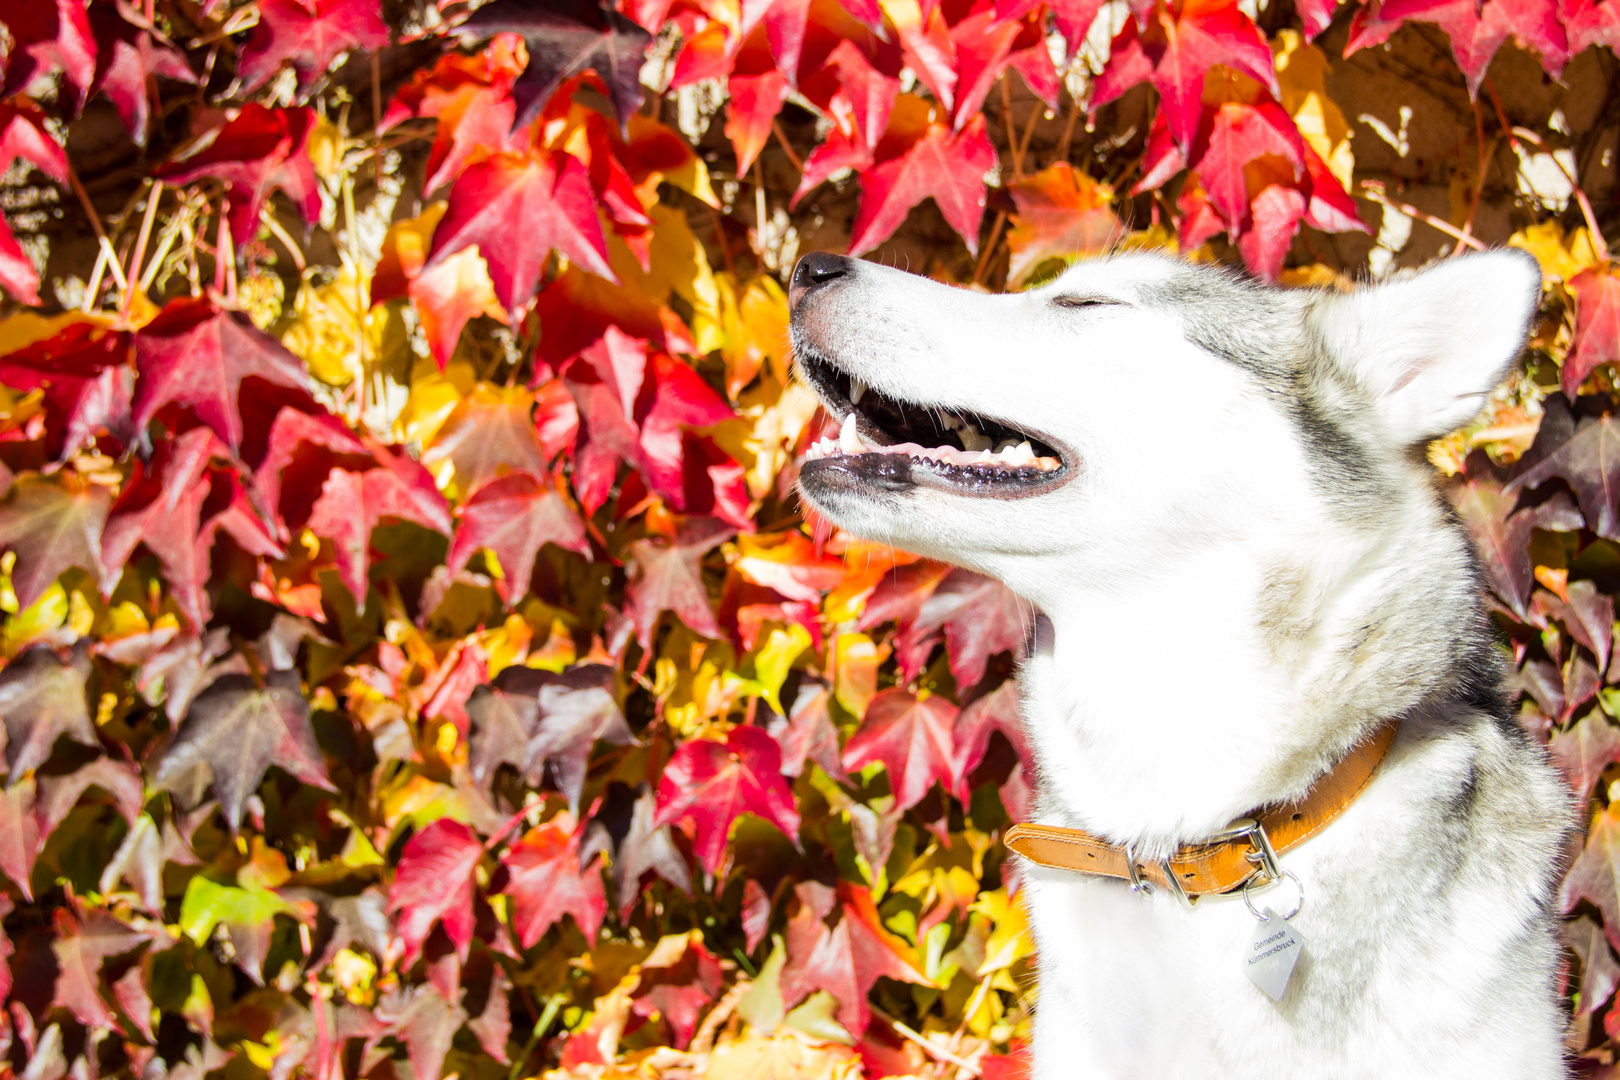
787 1055
775 659
1302 77
26 327
761 1005
1559 260
325 148
677 267
1010 941
1061 212
434 396
328 323
855 680
404 249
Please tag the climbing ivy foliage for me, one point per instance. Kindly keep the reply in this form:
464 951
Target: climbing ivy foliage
415 661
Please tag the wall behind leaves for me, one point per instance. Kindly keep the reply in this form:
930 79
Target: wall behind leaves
415 662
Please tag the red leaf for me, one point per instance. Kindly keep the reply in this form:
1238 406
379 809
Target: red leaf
1475 34
166 517
42 698
1585 750
515 516
680 400
1331 208
646 848
1181 50
668 576
254 153
546 881
847 960
48 35
129 61
310 34
19 834
1316 15
996 711
676 985
1586 455
471 98
947 167
84 374
982 44
911 737
23 135
810 735
707 785
17 273
434 883
1591 22
755 101
233 732
197 356
1600 974
352 504
980 617
756 914
564 38
427 1023
490 433
1597 326
865 95
1241 134
1502 534
81 947
51 524
517 208
1277 211
1060 212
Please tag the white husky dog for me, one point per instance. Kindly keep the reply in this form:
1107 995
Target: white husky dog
1216 493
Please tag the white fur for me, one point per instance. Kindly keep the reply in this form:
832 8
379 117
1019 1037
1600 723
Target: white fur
1167 702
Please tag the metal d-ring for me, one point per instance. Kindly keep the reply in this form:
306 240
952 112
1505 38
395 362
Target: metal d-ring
1139 884
1299 903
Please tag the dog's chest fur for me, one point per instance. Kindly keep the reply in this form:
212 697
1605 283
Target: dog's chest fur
1427 918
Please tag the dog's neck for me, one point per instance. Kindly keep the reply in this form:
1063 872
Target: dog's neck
1161 711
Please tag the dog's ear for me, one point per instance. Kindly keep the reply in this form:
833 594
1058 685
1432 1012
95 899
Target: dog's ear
1428 348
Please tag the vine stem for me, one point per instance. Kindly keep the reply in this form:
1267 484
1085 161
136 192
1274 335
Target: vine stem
1374 190
787 147
1599 245
113 264
936 1052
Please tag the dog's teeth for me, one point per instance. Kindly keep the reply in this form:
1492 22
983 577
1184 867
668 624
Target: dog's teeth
849 440
1023 453
972 440
857 390
949 421
1004 446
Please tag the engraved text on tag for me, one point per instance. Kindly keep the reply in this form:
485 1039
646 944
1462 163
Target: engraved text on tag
1273 951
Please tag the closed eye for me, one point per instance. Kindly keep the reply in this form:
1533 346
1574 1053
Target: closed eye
1085 302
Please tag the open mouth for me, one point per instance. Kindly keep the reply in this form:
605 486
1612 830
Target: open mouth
952 448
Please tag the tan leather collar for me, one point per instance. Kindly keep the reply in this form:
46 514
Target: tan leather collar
1228 861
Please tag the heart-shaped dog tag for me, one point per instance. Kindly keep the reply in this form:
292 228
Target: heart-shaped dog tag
1273 951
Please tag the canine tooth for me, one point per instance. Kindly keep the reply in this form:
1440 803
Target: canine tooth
849 440
857 390
972 440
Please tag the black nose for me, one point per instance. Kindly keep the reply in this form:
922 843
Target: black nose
816 268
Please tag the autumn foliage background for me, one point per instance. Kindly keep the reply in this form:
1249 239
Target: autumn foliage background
416 661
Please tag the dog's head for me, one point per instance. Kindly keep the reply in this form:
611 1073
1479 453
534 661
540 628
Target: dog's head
1136 406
